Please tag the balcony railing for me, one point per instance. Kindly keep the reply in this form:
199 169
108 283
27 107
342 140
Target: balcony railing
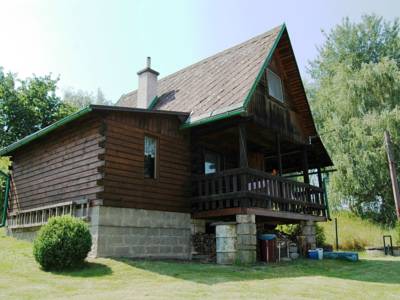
250 188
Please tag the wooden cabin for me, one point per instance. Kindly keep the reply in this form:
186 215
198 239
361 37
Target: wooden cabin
222 141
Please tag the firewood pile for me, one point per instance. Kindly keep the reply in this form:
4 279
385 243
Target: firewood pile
204 244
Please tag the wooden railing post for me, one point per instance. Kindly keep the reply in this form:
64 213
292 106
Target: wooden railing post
243 160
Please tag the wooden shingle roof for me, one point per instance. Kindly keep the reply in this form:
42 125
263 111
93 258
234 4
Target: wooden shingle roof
216 85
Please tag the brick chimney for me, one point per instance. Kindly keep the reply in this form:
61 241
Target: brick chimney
147 88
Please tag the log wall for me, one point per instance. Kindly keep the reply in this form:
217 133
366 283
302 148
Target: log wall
124 183
62 166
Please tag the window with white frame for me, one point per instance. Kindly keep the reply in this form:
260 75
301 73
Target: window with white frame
275 88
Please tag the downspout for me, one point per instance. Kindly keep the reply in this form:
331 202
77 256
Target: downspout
5 205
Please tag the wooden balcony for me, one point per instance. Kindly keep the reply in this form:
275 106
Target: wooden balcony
253 191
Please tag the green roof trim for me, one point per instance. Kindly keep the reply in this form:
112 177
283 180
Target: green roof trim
214 118
247 100
264 67
45 130
153 103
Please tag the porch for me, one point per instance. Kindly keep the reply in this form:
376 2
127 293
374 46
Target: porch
251 191
244 167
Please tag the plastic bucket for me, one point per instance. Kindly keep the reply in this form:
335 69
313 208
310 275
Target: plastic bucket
267 237
313 254
320 253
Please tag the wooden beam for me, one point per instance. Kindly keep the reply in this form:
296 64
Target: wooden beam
305 166
284 215
278 145
243 161
263 212
393 175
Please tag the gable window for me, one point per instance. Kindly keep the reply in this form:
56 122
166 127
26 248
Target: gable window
211 162
275 88
150 157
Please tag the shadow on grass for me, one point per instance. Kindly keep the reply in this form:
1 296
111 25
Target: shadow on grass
378 271
89 269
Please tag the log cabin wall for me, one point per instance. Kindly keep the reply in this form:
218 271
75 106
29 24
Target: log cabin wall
124 183
275 114
62 166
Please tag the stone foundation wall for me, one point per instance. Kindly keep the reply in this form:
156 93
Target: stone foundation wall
139 233
27 234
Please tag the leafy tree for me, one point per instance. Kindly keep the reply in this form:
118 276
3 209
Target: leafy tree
28 105
355 96
82 98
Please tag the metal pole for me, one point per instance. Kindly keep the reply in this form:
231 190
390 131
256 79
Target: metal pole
336 233
5 205
393 175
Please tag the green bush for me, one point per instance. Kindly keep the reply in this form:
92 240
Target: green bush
294 230
320 237
397 238
62 243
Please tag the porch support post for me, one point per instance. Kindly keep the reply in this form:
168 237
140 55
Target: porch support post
243 162
320 183
246 246
305 166
278 146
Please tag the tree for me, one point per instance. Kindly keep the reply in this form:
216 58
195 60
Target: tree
82 98
355 96
28 105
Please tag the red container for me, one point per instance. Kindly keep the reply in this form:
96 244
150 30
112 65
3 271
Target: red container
268 250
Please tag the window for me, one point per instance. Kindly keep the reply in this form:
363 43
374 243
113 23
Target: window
211 163
150 157
274 85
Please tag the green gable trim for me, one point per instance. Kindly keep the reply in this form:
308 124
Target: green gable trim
264 67
153 103
45 130
213 118
247 100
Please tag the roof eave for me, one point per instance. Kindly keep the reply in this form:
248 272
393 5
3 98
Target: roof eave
44 131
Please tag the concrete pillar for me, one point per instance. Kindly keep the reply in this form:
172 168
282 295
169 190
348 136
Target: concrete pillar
246 247
307 239
225 234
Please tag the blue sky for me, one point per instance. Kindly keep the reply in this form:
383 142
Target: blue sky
92 44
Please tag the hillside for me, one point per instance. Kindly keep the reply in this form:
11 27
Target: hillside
355 233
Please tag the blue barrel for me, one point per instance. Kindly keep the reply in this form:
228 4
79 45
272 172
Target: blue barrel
313 254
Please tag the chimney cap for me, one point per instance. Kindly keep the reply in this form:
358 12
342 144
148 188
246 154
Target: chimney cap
148 68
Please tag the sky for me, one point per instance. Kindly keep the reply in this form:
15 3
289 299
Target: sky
91 44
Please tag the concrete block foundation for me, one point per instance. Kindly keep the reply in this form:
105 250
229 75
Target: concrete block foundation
139 233
136 233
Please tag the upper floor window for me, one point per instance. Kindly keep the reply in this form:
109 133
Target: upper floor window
275 88
150 157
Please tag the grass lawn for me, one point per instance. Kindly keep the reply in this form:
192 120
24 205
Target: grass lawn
21 278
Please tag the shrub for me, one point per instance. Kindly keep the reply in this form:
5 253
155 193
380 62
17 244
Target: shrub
294 230
320 237
353 244
291 230
397 232
62 243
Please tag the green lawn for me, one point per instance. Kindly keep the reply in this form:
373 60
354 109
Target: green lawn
21 278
